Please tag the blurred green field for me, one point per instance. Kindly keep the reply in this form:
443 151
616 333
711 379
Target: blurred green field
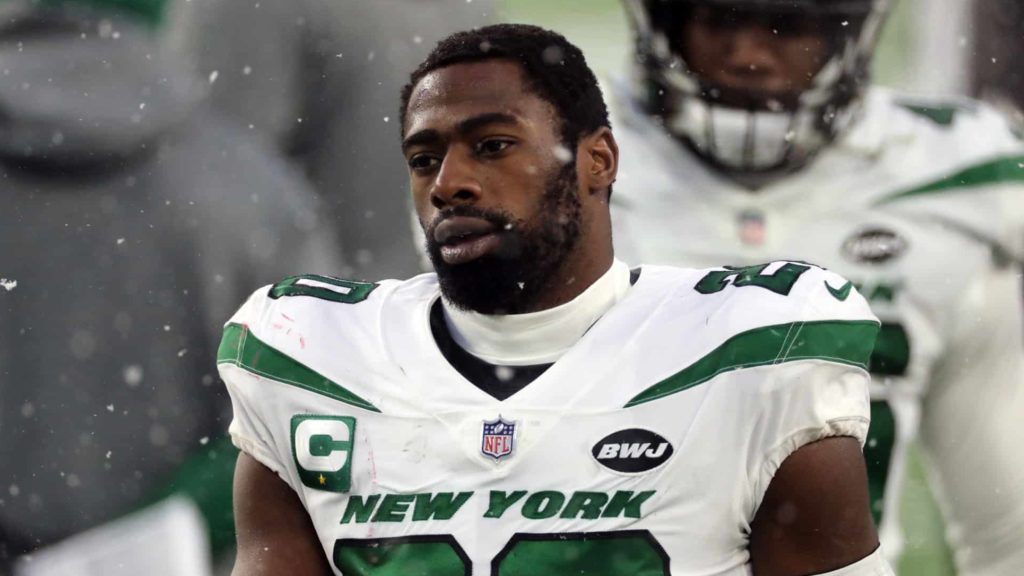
599 28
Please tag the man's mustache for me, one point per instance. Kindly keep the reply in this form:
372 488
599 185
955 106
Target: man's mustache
498 219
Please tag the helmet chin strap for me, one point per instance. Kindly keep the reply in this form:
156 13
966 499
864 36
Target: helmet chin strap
750 140
736 139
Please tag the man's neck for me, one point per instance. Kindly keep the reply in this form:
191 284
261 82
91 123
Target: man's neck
537 337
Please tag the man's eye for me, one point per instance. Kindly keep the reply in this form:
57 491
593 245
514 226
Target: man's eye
422 162
492 146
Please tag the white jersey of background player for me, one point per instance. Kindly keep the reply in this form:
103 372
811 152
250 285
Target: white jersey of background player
536 407
920 204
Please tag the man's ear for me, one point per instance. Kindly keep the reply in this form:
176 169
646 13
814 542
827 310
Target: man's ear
599 160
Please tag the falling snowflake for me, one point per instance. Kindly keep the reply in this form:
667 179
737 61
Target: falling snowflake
504 373
8 284
132 375
562 154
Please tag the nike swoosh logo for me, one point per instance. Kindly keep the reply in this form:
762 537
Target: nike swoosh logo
840 294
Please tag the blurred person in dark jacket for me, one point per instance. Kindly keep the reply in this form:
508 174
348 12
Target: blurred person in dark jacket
318 78
133 220
997 73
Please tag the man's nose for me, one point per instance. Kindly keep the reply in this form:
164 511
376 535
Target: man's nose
456 182
750 52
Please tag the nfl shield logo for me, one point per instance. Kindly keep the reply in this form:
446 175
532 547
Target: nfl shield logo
498 438
751 227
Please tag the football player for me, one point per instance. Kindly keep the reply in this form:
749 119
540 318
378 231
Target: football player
750 132
534 406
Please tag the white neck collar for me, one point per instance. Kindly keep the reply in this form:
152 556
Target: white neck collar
538 337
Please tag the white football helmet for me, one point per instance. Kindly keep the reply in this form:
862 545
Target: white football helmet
754 135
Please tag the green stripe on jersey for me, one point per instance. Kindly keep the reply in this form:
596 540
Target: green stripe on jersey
842 342
1000 170
240 347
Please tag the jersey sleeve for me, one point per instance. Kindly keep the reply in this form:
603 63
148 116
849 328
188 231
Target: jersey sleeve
249 429
817 386
972 420
975 181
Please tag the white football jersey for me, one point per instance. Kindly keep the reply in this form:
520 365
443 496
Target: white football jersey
921 206
645 449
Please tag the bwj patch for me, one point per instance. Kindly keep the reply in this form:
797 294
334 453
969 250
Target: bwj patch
498 438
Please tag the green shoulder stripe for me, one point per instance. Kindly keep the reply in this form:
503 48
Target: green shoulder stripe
1000 170
941 115
842 342
241 348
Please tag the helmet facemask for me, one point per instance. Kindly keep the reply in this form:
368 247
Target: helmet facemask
754 134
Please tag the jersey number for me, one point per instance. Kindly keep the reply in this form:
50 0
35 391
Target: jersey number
781 281
324 288
890 357
634 552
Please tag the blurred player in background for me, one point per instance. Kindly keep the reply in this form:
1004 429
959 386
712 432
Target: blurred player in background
131 216
750 133
318 79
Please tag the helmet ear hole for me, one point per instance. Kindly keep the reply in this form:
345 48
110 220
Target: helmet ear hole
742 130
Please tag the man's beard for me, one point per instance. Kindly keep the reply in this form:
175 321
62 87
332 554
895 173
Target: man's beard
511 279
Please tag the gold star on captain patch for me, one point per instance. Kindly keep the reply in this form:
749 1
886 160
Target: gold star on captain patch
322 480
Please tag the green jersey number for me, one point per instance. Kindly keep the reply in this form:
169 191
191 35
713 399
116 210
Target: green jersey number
781 281
634 552
324 288
890 358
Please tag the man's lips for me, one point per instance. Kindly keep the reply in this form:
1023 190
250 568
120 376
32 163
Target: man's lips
464 238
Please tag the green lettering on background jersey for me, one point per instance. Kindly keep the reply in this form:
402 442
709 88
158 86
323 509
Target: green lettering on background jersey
878 454
344 291
891 357
891 354
879 293
781 281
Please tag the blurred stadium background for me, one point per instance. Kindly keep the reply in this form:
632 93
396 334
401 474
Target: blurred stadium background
599 28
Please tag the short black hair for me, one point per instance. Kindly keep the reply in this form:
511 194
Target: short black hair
554 68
